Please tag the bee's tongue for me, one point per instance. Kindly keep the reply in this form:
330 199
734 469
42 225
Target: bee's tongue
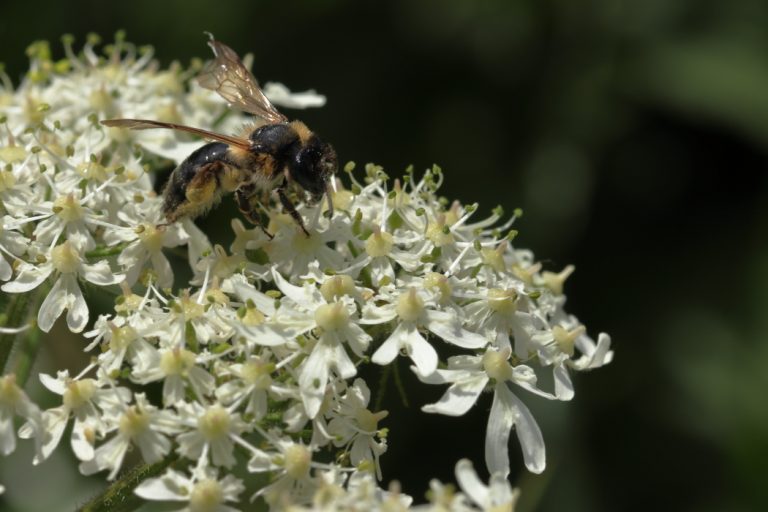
330 200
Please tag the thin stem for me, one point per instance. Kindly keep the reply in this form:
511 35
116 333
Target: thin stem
119 496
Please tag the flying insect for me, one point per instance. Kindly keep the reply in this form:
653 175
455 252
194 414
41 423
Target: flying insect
269 156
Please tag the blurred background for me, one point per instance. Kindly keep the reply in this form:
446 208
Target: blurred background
634 135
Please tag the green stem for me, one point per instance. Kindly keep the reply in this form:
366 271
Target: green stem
104 252
119 496
14 317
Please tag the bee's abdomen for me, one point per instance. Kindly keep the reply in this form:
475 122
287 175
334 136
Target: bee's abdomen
193 185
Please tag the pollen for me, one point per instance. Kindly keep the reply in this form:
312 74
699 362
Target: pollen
122 337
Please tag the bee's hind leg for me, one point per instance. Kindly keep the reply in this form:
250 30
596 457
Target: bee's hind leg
243 197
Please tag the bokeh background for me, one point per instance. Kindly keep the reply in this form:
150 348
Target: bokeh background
634 135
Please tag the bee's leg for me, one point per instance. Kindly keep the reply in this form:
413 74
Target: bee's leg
243 196
290 208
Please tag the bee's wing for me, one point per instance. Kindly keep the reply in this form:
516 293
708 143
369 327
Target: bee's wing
227 75
146 124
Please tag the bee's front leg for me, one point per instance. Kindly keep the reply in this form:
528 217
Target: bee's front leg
244 196
290 208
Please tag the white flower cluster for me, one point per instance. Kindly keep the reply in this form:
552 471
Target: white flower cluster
257 355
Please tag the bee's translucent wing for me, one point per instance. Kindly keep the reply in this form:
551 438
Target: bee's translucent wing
227 75
146 124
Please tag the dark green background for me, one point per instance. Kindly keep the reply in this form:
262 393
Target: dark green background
633 134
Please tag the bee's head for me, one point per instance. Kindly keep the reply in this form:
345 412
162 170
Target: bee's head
314 167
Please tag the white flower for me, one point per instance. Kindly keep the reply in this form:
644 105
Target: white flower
13 401
356 428
469 376
203 491
141 425
214 432
85 400
413 312
497 496
68 261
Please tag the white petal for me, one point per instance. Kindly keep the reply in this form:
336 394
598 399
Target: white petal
420 351
388 350
81 440
162 269
306 296
5 269
458 398
563 384
508 411
279 94
7 436
29 278
468 481
313 379
77 317
52 306
262 335
449 329
101 274
172 486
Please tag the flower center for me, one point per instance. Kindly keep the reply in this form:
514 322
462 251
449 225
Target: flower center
440 282
332 317
206 496
67 208
502 301
337 286
177 361
133 422
65 258
297 461
555 281
369 421
78 392
379 243
258 373
496 365
410 306
122 337
439 232
494 258
214 423
566 339
151 237
7 180
10 393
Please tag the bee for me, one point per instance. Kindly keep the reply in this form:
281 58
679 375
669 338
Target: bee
273 154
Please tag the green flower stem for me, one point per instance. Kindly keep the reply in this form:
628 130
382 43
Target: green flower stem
119 496
15 313
21 310
104 252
